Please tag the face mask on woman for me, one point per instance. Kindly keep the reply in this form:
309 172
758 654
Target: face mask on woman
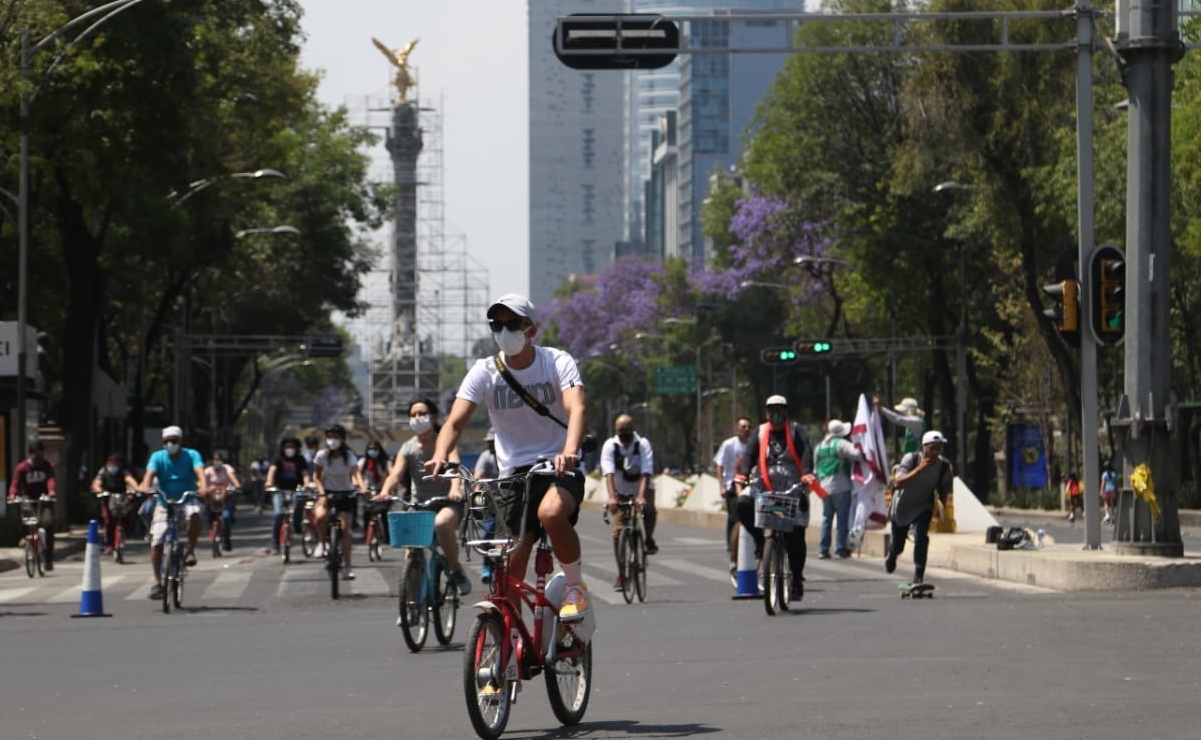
373 453
333 442
112 469
420 424
289 452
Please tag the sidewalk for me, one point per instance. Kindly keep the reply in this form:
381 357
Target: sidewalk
1060 567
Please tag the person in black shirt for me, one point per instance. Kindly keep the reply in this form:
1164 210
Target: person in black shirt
288 472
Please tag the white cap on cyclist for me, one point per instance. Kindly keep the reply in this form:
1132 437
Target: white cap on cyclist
172 431
776 400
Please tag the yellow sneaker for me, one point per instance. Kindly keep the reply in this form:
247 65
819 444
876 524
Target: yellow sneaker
575 602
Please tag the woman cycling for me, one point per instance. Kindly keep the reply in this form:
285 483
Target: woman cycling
115 480
288 472
218 476
410 462
335 471
373 469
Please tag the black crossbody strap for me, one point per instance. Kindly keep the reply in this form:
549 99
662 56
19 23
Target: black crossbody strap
538 407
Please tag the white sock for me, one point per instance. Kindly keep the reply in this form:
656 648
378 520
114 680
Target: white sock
572 572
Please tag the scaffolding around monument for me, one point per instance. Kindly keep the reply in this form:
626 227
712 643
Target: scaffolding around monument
431 306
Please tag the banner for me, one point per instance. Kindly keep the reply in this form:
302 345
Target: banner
1027 456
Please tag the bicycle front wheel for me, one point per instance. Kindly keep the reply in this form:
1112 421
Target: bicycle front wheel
569 680
446 603
333 557
119 544
31 555
625 564
414 611
774 588
638 567
483 677
285 541
181 571
308 539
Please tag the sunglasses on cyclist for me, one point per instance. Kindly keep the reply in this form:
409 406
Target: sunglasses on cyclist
512 325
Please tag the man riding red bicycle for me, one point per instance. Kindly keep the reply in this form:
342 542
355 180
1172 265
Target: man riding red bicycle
33 478
538 378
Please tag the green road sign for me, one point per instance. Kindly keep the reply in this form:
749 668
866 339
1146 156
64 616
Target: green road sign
675 380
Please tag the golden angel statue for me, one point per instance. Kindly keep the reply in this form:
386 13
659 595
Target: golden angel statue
399 59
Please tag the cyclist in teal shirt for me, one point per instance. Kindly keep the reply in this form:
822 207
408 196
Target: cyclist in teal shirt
176 470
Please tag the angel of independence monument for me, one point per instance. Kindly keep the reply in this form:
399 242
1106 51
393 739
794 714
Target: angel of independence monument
407 369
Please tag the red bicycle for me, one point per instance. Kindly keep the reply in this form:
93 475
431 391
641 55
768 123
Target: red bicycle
35 535
501 650
118 511
216 502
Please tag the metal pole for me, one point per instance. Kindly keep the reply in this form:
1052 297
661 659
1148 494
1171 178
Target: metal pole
1091 473
696 463
22 245
961 370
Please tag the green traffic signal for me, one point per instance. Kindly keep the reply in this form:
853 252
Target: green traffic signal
820 347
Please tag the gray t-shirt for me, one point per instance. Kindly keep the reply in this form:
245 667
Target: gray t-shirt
422 490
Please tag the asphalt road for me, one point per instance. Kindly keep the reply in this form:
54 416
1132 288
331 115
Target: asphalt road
260 651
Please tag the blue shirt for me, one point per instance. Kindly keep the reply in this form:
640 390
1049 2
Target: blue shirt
175 475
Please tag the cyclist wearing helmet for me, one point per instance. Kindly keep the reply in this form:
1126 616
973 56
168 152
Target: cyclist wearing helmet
336 471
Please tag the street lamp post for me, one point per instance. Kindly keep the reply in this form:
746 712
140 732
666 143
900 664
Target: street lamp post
960 345
105 12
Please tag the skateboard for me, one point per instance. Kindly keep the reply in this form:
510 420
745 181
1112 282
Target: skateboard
918 591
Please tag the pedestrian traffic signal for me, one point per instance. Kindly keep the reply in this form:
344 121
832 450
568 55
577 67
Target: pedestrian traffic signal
619 41
778 356
1066 311
813 347
1108 310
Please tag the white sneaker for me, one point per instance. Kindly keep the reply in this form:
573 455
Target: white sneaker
319 550
347 574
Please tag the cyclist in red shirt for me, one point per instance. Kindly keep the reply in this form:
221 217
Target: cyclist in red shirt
33 478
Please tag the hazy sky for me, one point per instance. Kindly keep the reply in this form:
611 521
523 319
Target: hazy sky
472 63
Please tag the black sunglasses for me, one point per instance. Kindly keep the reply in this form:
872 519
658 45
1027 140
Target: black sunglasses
512 325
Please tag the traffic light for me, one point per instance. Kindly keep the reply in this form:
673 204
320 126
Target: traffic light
591 41
778 356
1066 311
813 347
1108 310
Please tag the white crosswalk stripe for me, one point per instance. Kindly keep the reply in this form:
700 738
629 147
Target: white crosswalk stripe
141 593
301 581
229 585
15 594
653 576
687 566
71 594
368 582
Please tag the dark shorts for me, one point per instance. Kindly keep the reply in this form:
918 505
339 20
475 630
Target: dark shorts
508 502
341 501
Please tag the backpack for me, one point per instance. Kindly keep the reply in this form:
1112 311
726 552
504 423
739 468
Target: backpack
619 462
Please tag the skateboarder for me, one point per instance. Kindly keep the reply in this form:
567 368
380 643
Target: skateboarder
923 481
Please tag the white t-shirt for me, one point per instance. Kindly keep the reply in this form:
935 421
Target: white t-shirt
637 460
335 471
731 450
522 436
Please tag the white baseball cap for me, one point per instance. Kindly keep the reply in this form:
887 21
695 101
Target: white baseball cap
776 400
172 431
933 437
516 303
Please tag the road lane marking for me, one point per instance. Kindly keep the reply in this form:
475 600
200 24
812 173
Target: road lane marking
368 582
653 577
229 585
12 594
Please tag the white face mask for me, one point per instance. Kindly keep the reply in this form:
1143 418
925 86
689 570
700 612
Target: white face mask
289 452
510 342
420 424
334 443
171 447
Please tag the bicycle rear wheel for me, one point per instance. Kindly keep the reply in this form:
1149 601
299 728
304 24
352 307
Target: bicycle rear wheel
484 686
374 551
414 611
774 589
215 536
638 548
31 555
569 682
333 557
119 544
446 603
625 564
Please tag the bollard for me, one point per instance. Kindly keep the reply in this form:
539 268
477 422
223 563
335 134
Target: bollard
91 600
747 576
